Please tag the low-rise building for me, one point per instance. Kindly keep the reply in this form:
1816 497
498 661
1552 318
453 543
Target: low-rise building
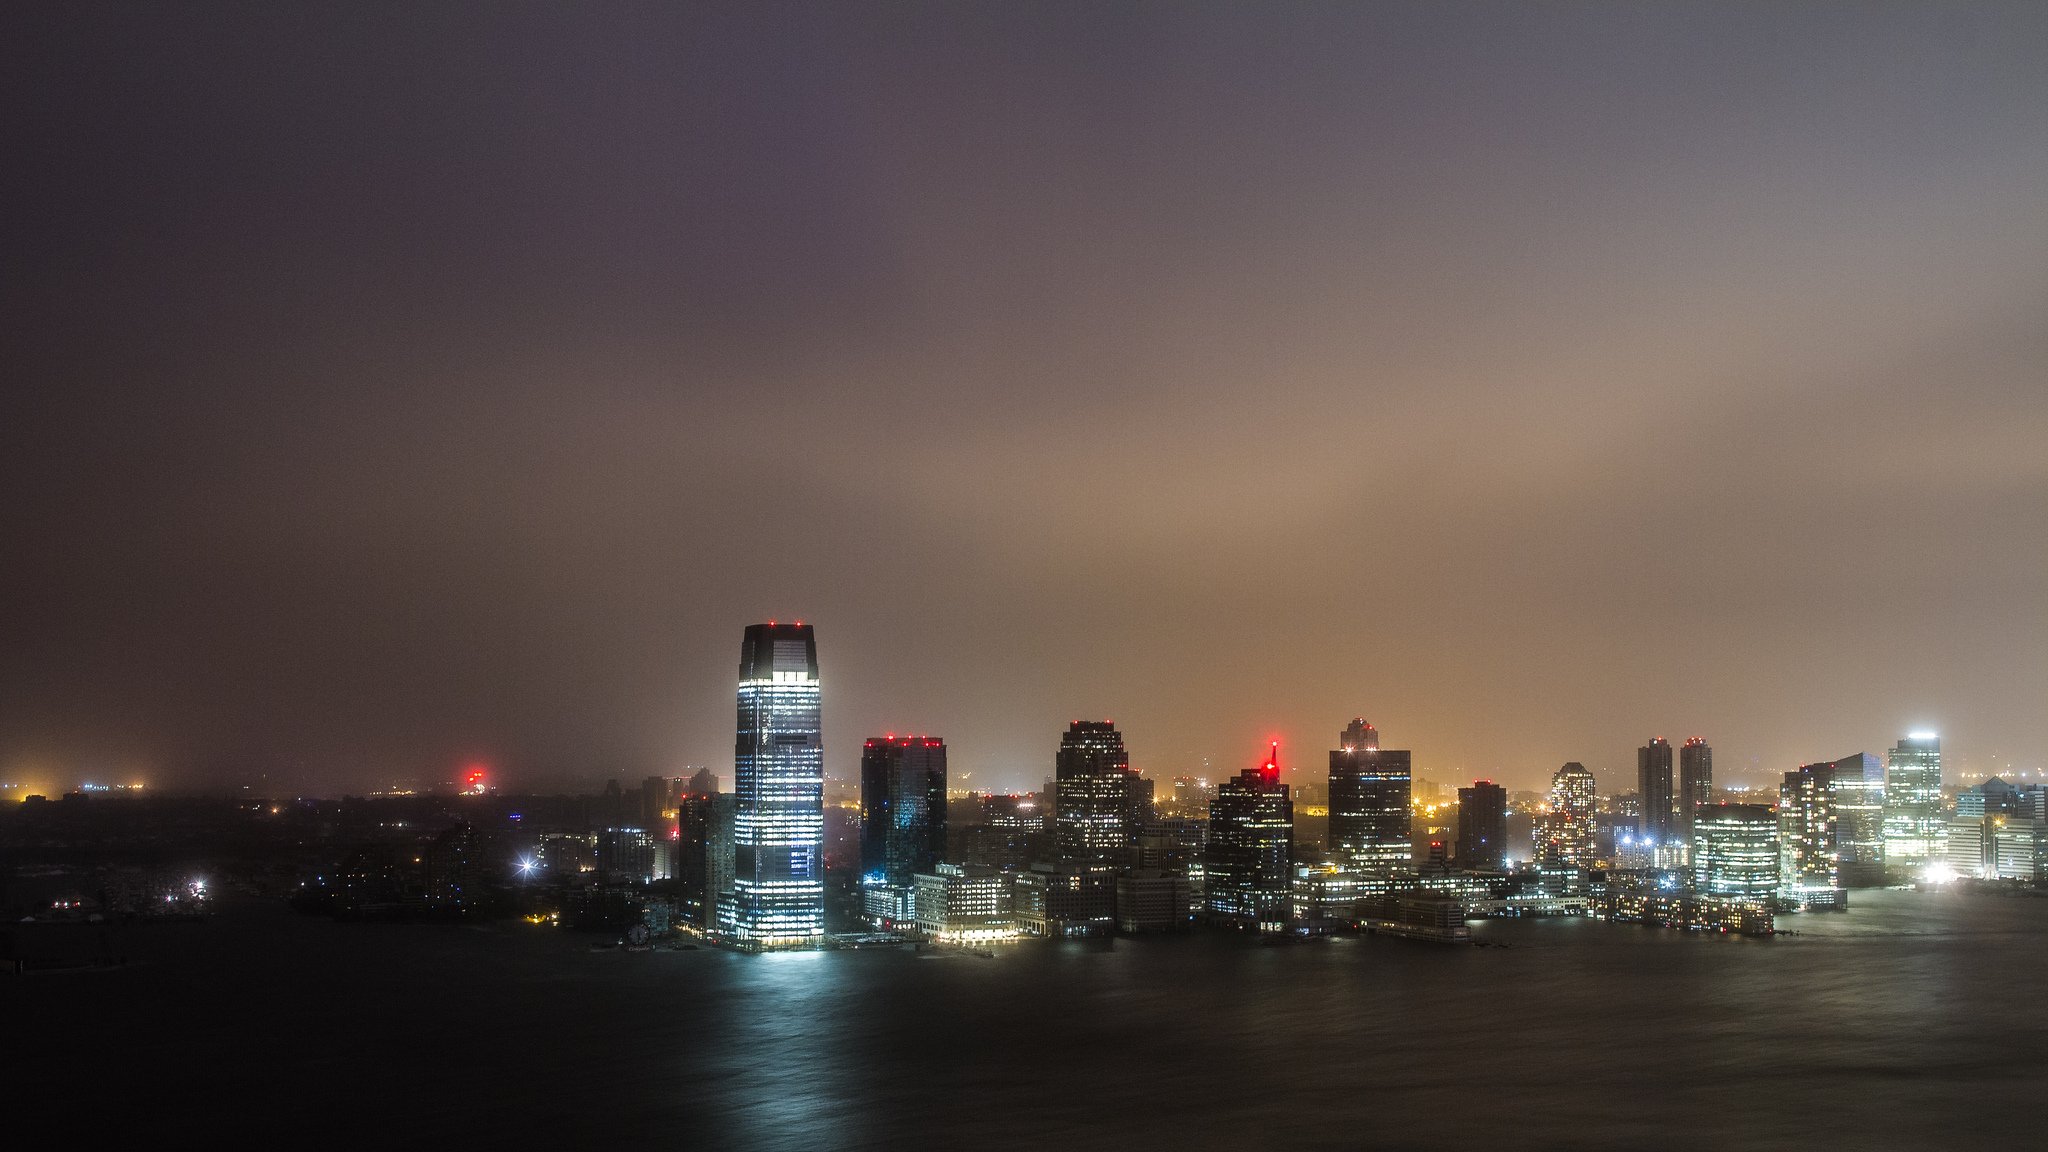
1152 900
965 904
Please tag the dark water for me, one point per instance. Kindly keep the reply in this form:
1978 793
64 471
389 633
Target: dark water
1913 1021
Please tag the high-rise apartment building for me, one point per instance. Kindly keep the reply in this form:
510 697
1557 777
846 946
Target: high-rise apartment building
1695 785
1653 789
902 821
1248 863
778 887
1483 827
1809 831
1915 833
1565 834
1370 826
690 862
1093 797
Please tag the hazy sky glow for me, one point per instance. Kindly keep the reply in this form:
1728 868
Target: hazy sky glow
392 385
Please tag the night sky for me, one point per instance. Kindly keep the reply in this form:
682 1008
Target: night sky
392 385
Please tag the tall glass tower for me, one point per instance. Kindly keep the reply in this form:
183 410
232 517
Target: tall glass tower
1735 851
1858 793
1369 814
1915 834
778 885
902 821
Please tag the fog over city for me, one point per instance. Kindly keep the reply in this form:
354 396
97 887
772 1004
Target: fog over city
395 390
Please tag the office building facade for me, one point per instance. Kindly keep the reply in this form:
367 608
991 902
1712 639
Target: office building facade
964 904
1248 863
1094 797
1370 819
778 890
1856 789
1915 831
902 821
1735 851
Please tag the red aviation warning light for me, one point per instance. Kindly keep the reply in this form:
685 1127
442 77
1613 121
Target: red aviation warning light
475 780
1270 770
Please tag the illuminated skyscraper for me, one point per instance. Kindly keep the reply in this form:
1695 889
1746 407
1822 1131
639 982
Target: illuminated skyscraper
1483 827
1915 832
1695 785
1809 856
1249 859
1564 837
1857 789
1735 851
902 821
778 889
1653 786
1093 797
1369 813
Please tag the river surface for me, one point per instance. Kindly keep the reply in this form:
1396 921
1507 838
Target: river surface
1915 1020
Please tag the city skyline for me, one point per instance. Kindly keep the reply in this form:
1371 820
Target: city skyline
1617 772
1268 544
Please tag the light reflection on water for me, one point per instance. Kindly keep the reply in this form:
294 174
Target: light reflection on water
1880 1028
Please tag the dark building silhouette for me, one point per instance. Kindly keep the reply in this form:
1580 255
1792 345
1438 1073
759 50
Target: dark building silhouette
997 831
612 807
1143 809
1653 789
625 856
703 854
1483 826
1370 826
1695 785
657 800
